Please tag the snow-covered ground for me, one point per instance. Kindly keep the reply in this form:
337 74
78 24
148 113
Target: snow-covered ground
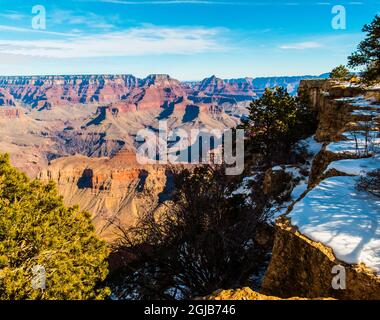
245 188
346 220
369 113
362 103
311 145
338 215
358 142
313 148
347 84
359 101
299 190
350 99
356 166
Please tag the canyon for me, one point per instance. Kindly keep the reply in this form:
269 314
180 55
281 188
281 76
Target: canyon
131 93
80 131
50 117
99 115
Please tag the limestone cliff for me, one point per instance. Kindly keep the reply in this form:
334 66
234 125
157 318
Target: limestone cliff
333 114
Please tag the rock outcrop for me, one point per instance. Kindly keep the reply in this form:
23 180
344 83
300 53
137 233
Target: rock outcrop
332 224
327 98
247 294
154 92
115 191
300 266
6 99
216 86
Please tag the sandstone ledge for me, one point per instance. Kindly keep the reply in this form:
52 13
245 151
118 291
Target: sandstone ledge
247 294
300 266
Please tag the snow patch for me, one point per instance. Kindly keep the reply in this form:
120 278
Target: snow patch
351 99
299 190
356 166
342 218
368 113
244 188
312 146
357 143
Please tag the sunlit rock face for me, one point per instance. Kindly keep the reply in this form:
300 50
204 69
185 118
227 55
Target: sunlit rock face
247 294
115 191
47 117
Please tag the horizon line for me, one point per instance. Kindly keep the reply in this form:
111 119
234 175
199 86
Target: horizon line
158 74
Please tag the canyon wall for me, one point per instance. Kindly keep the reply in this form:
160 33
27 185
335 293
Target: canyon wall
115 191
126 91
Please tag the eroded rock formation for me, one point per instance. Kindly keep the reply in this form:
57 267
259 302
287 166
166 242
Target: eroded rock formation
115 191
6 99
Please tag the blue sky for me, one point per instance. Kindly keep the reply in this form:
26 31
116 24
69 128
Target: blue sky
188 39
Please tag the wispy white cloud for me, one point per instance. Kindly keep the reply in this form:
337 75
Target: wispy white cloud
302 45
336 43
62 19
12 15
31 30
85 19
147 40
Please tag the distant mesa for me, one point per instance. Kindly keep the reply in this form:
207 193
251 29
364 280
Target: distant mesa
128 93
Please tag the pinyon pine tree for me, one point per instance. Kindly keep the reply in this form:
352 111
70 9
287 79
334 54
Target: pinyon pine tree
38 231
340 73
276 121
368 52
